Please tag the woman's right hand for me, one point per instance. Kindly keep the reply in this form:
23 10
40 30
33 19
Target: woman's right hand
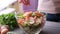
25 2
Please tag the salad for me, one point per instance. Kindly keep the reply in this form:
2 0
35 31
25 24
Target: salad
31 22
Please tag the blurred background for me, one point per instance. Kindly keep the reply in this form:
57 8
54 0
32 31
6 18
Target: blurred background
49 7
8 5
52 10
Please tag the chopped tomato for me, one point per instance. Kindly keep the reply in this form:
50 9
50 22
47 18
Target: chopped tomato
27 18
35 18
4 31
0 30
28 14
21 21
39 14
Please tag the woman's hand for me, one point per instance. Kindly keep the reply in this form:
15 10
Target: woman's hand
26 2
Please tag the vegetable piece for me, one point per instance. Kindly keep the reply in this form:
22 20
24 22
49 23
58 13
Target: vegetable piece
24 25
21 16
0 28
28 14
31 20
27 18
35 17
33 14
39 14
42 21
4 31
21 21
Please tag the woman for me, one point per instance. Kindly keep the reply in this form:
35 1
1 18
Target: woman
52 8
29 5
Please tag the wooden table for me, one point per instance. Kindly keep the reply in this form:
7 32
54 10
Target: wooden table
49 28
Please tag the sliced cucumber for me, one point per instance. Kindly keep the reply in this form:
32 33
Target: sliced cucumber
21 16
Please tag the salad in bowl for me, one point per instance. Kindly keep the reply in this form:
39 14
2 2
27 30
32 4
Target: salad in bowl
31 22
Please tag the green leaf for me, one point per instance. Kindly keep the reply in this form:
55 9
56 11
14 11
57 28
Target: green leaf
21 16
8 19
33 14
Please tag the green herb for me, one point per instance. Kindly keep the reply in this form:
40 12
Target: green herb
34 15
9 19
24 25
21 16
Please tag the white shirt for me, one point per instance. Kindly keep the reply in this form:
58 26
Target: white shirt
50 6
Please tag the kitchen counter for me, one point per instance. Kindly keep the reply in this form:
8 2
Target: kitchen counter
49 28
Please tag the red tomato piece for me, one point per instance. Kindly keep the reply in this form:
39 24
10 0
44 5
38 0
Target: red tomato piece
28 14
39 14
27 18
0 29
4 31
21 21
35 17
